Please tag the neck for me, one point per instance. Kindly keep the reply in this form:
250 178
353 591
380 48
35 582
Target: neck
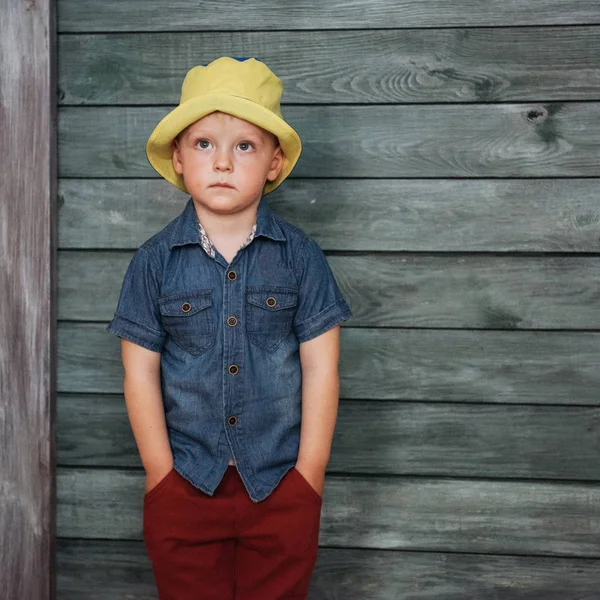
227 225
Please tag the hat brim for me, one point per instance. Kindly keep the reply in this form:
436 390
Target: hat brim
159 148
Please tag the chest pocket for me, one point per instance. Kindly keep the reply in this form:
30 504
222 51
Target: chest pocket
269 314
188 318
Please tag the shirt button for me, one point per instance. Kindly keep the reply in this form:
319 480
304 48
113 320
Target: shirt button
271 301
186 307
233 369
232 321
232 421
231 275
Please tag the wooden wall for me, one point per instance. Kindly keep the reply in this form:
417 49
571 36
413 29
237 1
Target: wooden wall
28 298
450 172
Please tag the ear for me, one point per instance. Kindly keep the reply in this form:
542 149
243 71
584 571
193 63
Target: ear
276 164
177 159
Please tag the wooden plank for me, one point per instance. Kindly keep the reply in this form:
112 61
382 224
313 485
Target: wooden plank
27 300
94 430
116 15
441 515
104 570
539 215
472 440
348 574
405 364
480 140
382 67
386 438
121 569
476 291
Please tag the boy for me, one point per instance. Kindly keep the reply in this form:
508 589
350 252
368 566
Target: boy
229 319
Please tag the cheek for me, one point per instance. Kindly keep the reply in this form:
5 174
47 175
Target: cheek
196 162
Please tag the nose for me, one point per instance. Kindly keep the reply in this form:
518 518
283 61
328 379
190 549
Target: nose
223 161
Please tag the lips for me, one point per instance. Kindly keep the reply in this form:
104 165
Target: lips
222 185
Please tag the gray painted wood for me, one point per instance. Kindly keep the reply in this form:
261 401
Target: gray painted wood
115 570
534 215
27 299
442 515
379 67
151 15
534 367
476 446
386 438
480 140
472 291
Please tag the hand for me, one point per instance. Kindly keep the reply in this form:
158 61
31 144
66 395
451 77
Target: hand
314 475
155 476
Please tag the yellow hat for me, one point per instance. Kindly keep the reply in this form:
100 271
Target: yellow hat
244 88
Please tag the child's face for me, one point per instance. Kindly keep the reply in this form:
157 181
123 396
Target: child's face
222 149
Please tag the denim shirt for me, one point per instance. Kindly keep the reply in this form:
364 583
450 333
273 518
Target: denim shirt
229 336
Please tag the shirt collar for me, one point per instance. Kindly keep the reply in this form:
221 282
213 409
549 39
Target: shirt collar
187 230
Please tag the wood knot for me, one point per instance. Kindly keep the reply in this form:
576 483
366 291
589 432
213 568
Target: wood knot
537 115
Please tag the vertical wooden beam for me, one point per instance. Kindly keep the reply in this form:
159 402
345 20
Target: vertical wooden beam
27 298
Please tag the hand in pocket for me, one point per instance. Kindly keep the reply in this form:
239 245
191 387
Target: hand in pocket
153 478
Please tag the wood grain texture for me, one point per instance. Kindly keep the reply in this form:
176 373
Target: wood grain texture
405 364
450 169
121 569
534 215
386 438
464 291
183 15
27 298
442 515
359 66
493 140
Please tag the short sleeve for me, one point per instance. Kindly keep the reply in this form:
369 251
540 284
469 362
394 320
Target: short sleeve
137 317
321 305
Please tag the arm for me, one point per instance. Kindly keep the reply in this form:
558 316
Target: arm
320 394
143 398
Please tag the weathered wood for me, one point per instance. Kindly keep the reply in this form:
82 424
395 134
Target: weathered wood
116 15
467 440
107 570
493 140
417 215
507 517
488 292
407 364
104 570
382 67
386 438
27 300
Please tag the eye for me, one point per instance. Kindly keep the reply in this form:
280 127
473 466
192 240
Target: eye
246 146
203 144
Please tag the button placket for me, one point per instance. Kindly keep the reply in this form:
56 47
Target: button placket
232 305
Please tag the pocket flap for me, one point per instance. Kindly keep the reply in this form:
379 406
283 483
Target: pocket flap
185 304
272 298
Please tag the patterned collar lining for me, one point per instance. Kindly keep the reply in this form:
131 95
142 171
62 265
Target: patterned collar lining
208 245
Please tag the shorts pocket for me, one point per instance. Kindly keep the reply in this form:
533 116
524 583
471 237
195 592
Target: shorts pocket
189 320
270 312
159 487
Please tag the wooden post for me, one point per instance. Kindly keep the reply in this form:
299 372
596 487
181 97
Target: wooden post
27 298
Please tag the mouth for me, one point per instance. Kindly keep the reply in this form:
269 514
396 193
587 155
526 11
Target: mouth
222 185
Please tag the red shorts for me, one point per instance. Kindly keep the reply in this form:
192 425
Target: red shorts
226 547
